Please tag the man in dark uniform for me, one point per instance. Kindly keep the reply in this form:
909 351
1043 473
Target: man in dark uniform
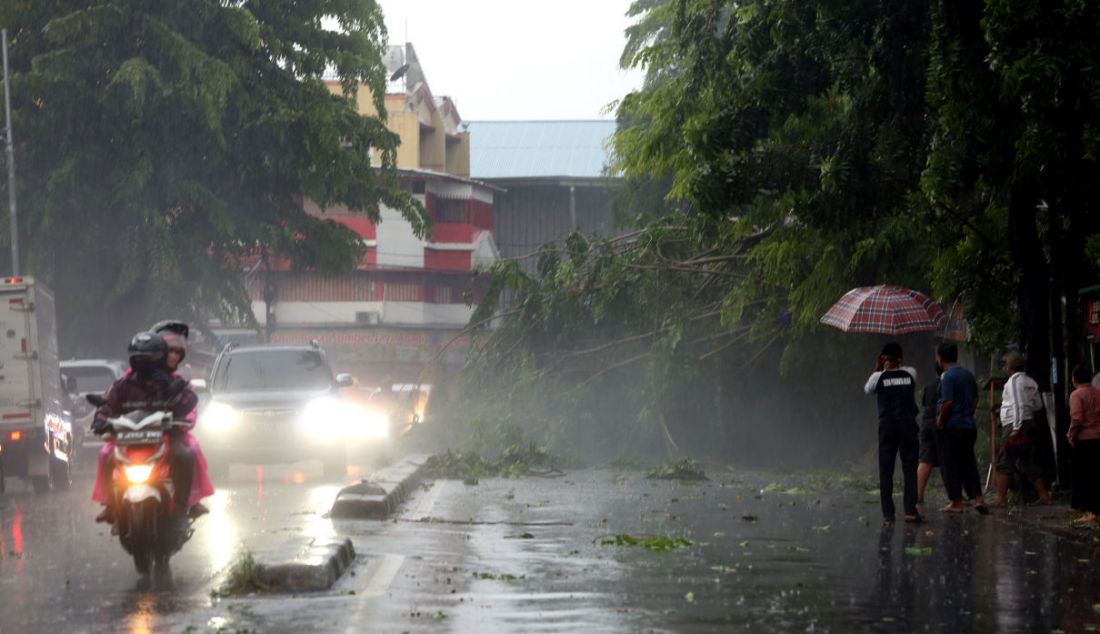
896 387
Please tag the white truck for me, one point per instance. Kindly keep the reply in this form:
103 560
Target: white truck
36 433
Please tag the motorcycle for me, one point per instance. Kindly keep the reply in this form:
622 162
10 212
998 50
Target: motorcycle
143 488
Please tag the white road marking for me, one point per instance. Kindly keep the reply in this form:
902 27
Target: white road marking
378 585
384 575
425 503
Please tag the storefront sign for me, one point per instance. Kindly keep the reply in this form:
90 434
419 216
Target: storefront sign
1092 320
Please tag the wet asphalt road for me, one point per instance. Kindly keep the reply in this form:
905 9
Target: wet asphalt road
528 556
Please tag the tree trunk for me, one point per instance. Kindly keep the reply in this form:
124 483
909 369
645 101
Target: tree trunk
1058 378
1034 301
1033 290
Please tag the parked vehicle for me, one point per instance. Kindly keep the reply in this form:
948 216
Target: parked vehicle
82 377
37 439
144 488
278 404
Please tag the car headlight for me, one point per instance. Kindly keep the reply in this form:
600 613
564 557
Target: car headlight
138 473
218 416
372 425
324 414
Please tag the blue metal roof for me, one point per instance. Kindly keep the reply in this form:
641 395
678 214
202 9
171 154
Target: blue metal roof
532 149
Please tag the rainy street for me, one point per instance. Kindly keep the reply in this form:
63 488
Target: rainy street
540 554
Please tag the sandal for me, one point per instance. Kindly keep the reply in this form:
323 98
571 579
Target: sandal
1084 519
981 509
916 518
951 509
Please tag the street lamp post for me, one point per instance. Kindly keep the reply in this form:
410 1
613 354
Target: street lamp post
11 160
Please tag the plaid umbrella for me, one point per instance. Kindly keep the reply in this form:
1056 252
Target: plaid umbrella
885 310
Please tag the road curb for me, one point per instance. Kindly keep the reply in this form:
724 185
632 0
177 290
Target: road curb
382 494
309 568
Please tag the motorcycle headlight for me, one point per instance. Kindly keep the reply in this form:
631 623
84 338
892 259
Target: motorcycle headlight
138 473
218 416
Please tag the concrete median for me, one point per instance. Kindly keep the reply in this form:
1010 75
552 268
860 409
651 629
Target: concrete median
304 567
380 496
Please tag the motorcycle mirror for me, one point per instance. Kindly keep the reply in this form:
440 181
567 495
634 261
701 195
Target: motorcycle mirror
95 399
345 380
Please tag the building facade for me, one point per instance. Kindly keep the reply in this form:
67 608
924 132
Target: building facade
406 303
554 180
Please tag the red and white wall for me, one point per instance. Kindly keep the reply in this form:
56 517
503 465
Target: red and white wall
402 280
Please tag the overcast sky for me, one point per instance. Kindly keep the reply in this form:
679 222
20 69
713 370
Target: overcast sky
518 59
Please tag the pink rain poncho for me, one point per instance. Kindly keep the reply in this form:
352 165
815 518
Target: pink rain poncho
201 486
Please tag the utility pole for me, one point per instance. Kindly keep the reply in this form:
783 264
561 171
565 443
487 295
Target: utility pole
11 160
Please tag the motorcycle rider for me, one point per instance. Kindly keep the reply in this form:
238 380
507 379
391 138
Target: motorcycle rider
148 386
176 333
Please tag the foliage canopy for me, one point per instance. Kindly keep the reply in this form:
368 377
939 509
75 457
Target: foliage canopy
160 143
805 148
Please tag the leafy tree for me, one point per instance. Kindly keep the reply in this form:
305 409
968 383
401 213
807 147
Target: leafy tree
160 143
1017 102
795 133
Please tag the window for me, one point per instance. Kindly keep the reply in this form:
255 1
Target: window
450 292
274 369
448 210
90 379
393 292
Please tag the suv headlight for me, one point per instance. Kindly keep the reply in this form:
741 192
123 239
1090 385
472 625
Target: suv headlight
324 415
219 416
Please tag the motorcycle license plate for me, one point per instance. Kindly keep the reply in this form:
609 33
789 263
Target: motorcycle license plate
140 437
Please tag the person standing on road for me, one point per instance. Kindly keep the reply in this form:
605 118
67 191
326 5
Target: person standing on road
896 387
1084 438
1020 405
958 400
929 437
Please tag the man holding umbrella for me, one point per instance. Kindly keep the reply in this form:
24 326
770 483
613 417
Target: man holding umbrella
896 385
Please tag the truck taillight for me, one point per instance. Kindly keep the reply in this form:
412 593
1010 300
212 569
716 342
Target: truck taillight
14 280
16 435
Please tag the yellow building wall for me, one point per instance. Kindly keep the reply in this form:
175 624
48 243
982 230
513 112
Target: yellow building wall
364 98
458 155
422 146
433 145
407 126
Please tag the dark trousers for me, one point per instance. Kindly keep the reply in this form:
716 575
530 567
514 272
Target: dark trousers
960 467
1086 476
894 438
181 463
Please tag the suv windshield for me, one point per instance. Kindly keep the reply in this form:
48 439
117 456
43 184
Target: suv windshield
274 370
90 379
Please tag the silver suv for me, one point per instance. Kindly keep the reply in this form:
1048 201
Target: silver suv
274 403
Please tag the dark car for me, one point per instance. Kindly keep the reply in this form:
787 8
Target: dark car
274 403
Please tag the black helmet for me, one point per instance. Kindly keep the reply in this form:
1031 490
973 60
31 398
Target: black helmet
175 333
148 353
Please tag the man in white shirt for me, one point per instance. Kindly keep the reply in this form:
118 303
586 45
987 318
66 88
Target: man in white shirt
1020 404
